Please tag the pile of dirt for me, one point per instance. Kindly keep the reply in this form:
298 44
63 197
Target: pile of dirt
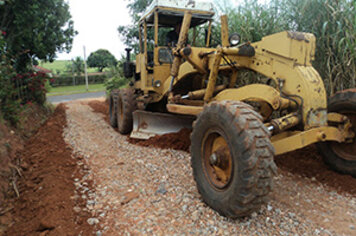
10 144
307 162
177 141
45 205
101 107
12 141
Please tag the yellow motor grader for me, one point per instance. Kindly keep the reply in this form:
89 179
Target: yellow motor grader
236 129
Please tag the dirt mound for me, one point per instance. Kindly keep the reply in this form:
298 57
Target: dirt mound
45 206
177 141
308 163
10 143
12 140
100 107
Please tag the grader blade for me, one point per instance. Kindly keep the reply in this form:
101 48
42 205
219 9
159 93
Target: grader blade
149 124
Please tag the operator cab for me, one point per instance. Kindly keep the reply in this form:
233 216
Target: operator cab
160 18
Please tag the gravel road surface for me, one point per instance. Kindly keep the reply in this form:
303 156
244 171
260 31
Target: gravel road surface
71 97
145 190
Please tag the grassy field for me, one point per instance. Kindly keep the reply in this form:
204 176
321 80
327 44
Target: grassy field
56 65
60 65
66 90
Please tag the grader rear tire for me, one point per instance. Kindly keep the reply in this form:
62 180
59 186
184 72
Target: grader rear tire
126 104
232 158
112 108
341 157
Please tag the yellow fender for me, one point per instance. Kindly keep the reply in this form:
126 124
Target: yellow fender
253 92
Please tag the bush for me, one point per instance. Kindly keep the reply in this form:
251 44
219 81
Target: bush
18 89
64 80
9 107
115 83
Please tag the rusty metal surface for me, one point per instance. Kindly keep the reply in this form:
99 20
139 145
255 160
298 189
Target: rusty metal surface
347 150
298 36
286 122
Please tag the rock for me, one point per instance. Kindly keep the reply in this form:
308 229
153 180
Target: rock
129 196
77 209
292 215
93 221
98 233
195 215
45 225
352 227
90 202
161 189
254 215
269 207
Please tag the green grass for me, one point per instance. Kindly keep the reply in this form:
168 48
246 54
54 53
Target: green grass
61 66
56 65
67 90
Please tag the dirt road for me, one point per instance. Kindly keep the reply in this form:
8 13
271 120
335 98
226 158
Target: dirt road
132 187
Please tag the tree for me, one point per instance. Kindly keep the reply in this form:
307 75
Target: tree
36 29
101 58
129 34
77 66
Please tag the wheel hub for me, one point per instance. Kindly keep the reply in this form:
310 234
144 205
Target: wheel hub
213 159
217 161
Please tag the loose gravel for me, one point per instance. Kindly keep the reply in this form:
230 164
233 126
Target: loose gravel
146 190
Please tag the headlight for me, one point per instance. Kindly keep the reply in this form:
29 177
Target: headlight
157 83
234 39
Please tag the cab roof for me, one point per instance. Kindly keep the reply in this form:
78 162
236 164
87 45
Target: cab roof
171 12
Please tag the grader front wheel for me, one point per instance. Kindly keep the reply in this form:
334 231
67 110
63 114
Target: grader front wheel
232 158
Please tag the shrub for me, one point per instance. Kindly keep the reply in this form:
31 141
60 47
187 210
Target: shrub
18 89
67 80
115 83
9 107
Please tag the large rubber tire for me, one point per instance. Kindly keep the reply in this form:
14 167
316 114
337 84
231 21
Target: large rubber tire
341 157
251 153
126 105
112 107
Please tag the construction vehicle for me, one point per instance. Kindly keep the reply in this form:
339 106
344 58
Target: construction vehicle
236 130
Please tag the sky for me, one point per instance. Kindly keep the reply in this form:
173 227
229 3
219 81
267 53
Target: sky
96 22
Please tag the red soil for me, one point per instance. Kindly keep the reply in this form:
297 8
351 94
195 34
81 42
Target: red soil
177 141
45 206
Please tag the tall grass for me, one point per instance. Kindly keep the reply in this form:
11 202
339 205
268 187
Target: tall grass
333 22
